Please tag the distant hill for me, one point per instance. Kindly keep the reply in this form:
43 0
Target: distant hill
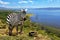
45 8
2 8
49 8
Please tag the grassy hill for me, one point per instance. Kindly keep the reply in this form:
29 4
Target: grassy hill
43 32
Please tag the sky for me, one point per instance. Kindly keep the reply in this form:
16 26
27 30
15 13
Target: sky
29 3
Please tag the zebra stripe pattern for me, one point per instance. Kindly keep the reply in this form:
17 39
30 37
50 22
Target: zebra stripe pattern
8 18
14 18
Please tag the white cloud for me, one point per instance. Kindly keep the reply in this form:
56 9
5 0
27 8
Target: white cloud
31 1
23 2
2 2
51 0
26 1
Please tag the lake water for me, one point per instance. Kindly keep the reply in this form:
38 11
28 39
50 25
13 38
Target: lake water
46 17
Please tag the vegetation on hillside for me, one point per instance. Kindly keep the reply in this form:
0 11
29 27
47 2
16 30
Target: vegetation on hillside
43 32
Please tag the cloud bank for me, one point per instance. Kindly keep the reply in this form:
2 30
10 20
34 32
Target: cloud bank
25 1
2 2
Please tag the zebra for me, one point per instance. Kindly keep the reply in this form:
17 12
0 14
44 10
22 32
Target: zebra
16 19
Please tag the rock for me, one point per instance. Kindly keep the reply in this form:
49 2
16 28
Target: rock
32 34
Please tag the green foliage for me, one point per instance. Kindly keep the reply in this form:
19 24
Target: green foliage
15 38
28 26
54 37
3 15
52 30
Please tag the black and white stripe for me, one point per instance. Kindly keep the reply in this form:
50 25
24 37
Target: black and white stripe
8 18
14 18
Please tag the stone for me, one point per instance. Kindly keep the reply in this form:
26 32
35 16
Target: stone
32 34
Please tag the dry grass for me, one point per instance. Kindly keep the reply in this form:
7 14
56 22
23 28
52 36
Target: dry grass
24 36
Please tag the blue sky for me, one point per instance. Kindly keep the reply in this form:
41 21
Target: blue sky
29 3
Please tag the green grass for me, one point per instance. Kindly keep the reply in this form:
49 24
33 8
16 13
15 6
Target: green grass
28 26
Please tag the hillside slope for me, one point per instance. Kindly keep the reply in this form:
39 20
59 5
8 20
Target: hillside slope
43 32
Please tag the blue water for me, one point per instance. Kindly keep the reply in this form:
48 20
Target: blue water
46 17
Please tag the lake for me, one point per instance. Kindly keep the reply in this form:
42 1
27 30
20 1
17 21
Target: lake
49 17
